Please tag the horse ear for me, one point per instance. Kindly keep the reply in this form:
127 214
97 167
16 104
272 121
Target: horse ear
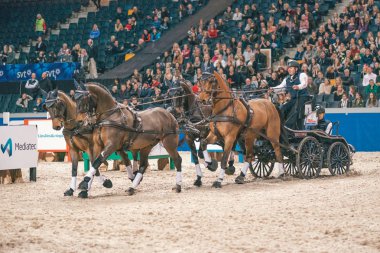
218 77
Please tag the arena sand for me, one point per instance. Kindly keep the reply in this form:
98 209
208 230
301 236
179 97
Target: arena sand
329 214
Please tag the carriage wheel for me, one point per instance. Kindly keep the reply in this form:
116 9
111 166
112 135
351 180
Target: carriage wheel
338 158
261 168
309 158
290 167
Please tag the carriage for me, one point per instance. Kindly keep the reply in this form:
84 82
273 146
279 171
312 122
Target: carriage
307 152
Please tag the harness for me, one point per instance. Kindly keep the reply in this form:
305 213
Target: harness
79 131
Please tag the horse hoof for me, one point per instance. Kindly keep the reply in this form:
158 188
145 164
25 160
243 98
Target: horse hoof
198 182
230 170
217 184
213 166
83 195
84 184
131 191
239 180
107 183
177 188
69 192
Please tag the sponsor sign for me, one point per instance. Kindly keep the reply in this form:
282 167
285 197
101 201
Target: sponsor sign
49 140
18 147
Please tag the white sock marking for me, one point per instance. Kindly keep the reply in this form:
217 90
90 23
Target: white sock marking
137 180
198 169
245 168
130 172
207 156
73 184
178 178
221 175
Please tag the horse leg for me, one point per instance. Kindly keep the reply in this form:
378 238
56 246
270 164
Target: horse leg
135 166
85 185
74 172
210 164
228 144
128 165
249 156
143 165
198 181
273 132
95 151
170 143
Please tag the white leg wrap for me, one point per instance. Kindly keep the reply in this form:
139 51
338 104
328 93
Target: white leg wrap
232 156
137 180
207 156
178 178
101 179
198 170
245 168
73 184
280 168
221 175
130 172
91 172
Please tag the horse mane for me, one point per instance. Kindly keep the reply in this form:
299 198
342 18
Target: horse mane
221 82
100 85
190 96
66 98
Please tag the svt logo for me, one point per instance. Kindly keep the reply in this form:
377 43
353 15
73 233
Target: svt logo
7 147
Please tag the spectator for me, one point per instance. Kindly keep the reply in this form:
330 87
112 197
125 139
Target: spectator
63 51
304 25
4 54
124 92
372 88
40 25
299 54
145 91
155 35
135 104
344 102
157 98
237 16
325 87
372 101
23 101
351 94
119 14
338 94
92 55
312 89
95 32
32 86
368 76
212 32
83 59
75 52
38 107
52 57
40 46
45 84
11 57
228 14
118 26
347 80
66 57
115 93
146 36
358 101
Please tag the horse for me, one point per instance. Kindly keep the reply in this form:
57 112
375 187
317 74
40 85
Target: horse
192 114
62 110
233 118
122 128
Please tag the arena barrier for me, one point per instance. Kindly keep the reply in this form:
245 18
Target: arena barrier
19 149
360 126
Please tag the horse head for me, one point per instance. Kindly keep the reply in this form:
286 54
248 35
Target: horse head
57 109
211 85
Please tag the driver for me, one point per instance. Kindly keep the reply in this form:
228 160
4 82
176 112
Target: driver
323 124
295 85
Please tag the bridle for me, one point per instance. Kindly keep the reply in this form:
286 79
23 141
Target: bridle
59 114
214 91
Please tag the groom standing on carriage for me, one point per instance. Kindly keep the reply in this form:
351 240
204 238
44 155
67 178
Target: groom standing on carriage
295 84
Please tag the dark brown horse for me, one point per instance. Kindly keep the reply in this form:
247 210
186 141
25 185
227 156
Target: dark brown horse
121 128
62 110
233 118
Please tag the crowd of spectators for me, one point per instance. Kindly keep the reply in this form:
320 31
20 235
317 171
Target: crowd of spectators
341 57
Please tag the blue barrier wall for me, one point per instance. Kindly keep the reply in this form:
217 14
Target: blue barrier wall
360 127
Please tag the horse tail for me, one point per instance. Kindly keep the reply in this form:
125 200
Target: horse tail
283 131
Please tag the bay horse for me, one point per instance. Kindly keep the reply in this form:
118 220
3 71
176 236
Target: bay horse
233 118
62 110
191 113
122 128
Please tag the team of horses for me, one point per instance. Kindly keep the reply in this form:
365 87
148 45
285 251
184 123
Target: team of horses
97 124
